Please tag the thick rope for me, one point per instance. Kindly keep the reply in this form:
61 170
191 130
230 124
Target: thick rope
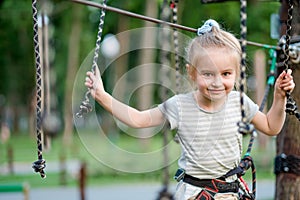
85 106
243 27
164 74
245 127
291 107
173 6
38 165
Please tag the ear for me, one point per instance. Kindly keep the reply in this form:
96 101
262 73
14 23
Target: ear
191 71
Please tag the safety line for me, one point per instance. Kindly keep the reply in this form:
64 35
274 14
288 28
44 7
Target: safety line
158 21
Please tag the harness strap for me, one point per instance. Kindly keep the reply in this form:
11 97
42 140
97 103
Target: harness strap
213 186
204 195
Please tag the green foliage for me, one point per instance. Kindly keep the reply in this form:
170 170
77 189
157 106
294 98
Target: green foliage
17 70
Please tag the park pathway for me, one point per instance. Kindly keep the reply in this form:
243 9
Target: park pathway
141 191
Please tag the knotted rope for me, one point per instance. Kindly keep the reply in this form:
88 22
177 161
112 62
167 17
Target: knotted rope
40 164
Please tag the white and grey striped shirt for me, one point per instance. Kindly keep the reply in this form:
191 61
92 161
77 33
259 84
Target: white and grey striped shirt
210 142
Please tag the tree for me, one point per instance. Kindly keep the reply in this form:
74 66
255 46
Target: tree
287 179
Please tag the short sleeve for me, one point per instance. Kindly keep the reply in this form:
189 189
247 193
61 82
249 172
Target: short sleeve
251 108
170 109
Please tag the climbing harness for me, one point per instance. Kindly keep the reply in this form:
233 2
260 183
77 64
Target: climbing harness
85 106
40 164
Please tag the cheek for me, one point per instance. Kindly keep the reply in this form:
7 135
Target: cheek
201 82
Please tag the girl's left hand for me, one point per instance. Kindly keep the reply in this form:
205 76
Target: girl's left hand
284 83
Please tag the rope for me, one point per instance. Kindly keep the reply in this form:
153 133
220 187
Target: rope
173 6
163 95
243 27
85 106
244 127
40 164
291 107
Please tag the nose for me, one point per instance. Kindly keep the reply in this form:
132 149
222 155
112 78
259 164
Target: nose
217 81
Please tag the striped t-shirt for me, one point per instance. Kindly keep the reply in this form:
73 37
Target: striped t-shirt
210 142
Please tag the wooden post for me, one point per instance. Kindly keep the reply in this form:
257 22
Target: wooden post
260 75
82 180
10 159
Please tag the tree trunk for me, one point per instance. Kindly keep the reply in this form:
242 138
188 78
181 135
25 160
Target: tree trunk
146 91
288 184
73 63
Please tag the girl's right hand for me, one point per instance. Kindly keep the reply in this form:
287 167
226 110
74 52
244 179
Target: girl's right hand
94 83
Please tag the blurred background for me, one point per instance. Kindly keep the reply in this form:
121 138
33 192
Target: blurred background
67 36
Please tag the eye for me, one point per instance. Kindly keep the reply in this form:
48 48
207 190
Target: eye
208 74
227 73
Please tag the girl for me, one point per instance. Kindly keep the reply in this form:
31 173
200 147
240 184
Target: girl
206 118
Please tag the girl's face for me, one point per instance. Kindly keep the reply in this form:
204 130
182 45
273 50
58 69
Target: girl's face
214 75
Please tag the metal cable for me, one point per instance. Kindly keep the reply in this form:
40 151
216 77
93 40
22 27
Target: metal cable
40 164
150 19
85 106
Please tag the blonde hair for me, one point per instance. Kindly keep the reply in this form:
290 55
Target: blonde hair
214 38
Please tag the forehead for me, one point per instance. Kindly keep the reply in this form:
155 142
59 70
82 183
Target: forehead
217 59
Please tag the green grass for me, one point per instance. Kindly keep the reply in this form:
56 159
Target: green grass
25 151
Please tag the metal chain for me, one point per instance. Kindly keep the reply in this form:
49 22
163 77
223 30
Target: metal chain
85 106
40 164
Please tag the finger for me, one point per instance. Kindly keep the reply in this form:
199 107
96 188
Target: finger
97 72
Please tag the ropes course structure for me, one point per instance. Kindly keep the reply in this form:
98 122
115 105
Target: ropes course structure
243 127
40 164
85 106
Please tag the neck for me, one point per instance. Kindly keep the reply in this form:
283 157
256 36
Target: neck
208 104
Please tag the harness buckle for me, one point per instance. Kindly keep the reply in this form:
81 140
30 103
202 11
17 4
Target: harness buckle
179 175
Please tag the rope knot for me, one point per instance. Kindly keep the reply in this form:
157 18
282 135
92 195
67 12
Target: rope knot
245 164
291 106
84 108
39 166
245 128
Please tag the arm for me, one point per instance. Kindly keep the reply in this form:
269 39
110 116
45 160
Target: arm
128 115
272 122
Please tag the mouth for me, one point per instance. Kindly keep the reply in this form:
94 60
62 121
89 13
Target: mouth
217 91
